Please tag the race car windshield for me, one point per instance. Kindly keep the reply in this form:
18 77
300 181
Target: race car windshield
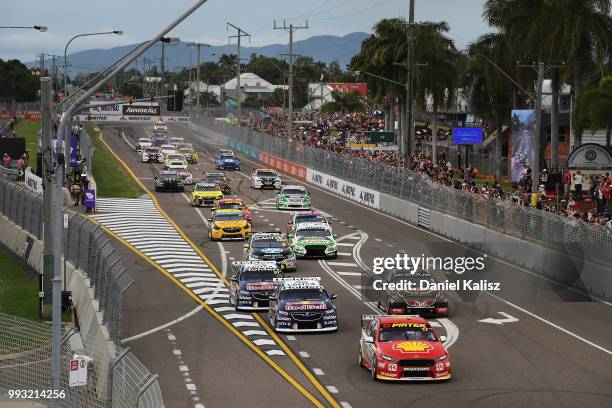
185 150
214 179
256 276
269 243
144 140
151 150
206 188
229 217
296 295
225 157
175 157
309 218
168 177
231 206
406 333
307 233
265 174
294 191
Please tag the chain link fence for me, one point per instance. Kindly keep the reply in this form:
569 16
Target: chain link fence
117 378
590 241
86 150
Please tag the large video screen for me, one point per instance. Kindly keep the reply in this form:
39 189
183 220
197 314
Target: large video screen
523 141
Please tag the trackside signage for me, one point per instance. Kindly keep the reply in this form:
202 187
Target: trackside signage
346 189
33 181
150 110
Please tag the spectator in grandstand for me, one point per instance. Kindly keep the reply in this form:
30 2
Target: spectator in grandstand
6 160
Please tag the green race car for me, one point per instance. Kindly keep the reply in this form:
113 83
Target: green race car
293 198
314 239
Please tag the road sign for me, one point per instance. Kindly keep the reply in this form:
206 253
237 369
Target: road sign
78 371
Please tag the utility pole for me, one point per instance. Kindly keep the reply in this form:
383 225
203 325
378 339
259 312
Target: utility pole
291 56
409 127
239 36
198 45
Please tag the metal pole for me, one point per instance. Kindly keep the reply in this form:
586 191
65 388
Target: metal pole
535 176
409 88
290 136
57 186
47 162
161 65
238 90
198 77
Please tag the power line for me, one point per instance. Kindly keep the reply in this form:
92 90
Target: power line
351 14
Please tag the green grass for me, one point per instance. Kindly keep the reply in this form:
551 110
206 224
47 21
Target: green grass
111 178
18 291
29 129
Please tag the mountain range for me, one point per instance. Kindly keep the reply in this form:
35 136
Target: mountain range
325 48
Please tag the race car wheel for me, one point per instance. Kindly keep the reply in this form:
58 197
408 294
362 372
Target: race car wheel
373 370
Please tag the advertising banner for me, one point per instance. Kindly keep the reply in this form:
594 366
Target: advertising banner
146 110
127 109
89 198
344 87
523 141
294 170
33 181
74 150
346 189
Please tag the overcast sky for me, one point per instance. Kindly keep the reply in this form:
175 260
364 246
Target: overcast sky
141 19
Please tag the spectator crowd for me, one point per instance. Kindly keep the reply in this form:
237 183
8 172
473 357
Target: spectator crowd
336 131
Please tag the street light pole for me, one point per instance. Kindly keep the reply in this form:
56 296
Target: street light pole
117 32
57 187
42 29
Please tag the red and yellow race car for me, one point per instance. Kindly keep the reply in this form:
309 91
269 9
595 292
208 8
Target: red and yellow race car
234 204
402 348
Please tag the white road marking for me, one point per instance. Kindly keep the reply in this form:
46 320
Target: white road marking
183 368
345 404
264 342
345 244
177 352
292 338
548 322
349 273
191 387
255 333
318 371
233 316
334 263
304 354
344 254
508 319
332 389
245 324
164 326
275 353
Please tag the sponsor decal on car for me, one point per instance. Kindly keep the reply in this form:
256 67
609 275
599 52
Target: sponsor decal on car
412 347
306 306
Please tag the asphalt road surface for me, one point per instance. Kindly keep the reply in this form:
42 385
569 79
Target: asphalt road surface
553 350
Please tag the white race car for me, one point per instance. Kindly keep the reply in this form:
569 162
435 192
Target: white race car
186 176
265 178
143 143
160 126
167 149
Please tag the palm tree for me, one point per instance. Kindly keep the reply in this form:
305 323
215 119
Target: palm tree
577 31
438 79
594 108
490 91
383 53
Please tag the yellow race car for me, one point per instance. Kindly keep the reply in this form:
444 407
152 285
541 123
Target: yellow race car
228 224
190 154
205 194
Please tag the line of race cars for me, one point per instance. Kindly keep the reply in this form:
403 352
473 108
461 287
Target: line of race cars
399 345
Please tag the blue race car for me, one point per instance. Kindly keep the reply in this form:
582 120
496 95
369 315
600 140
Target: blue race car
227 161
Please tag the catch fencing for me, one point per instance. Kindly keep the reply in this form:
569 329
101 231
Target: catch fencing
588 241
117 377
86 150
